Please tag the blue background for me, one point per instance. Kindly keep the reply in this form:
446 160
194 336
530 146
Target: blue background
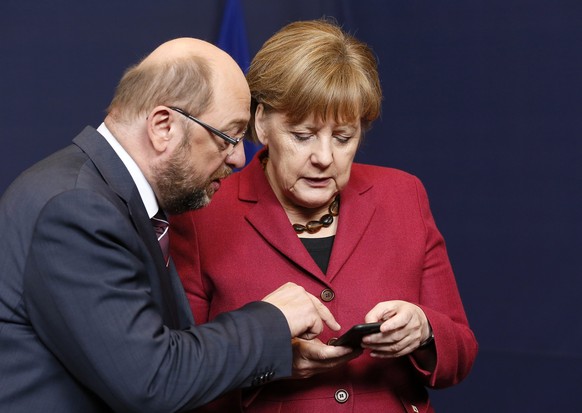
483 102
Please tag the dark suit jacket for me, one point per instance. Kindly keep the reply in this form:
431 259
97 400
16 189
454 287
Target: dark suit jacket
387 247
91 319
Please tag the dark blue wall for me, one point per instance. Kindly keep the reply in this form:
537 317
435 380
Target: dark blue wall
483 103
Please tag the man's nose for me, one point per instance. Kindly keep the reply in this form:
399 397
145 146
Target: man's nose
236 158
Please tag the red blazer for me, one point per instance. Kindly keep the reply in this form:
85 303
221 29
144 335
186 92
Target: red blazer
387 247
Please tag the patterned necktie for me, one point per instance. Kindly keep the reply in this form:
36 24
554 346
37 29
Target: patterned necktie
161 226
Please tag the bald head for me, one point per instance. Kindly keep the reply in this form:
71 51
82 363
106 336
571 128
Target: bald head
181 72
186 46
182 161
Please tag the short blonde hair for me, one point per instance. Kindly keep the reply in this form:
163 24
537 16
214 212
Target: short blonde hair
182 81
314 67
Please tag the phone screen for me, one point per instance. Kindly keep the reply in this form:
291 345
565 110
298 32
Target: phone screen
353 337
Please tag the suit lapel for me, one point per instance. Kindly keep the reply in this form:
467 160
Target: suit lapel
161 280
119 180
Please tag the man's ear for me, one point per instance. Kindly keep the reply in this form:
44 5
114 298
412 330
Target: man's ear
261 124
160 127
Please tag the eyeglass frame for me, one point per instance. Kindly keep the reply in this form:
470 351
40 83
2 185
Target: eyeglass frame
229 139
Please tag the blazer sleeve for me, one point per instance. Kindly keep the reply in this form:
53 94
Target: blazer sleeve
456 346
88 294
185 253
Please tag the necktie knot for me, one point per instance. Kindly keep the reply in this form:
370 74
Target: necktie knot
161 227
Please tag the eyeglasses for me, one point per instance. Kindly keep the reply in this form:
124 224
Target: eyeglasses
229 139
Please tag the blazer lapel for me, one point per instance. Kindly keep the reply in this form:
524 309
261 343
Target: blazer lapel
270 220
356 211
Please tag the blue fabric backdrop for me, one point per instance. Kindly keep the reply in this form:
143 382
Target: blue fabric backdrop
233 39
483 103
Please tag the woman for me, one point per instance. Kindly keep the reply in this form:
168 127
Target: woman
360 237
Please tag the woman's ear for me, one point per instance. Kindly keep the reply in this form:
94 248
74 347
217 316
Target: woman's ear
159 127
261 124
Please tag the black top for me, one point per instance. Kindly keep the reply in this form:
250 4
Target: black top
320 250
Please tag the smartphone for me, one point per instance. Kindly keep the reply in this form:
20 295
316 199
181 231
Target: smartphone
353 337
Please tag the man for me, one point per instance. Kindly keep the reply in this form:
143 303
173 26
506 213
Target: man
92 314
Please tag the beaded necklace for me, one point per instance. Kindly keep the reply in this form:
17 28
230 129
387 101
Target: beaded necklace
325 221
313 226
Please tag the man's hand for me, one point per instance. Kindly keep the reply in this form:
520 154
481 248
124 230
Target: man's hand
305 314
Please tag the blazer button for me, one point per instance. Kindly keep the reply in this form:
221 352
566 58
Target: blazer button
327 295
341 396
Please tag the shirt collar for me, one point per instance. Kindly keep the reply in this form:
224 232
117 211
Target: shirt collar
145 190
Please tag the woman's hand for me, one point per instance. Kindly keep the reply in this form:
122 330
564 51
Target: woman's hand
312 357
404 328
